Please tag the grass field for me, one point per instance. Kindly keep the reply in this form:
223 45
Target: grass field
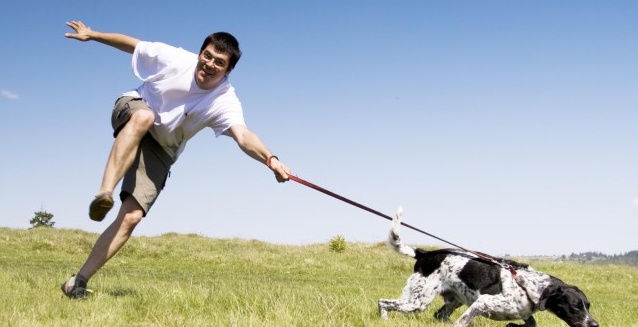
190 280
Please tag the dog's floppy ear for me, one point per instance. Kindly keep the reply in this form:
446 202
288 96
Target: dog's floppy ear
550 294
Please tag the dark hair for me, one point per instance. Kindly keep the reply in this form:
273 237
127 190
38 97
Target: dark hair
225 43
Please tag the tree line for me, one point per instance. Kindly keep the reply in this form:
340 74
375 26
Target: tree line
630 258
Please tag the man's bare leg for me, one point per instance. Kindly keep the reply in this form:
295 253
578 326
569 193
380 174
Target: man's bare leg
125 148
106 246
114 237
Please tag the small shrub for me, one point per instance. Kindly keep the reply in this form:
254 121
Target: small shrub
337 244
42 218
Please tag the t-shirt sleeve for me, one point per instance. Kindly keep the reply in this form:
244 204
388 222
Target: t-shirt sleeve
231 113
152 60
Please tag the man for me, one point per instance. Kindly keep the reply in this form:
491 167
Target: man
182 93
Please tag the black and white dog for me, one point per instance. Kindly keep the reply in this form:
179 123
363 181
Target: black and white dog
489 289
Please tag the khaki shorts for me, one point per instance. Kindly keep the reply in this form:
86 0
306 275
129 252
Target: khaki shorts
147 176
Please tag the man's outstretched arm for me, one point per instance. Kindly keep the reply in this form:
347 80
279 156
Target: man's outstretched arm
84 33
252 145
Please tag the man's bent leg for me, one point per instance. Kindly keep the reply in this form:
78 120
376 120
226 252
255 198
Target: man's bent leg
123 152
125 148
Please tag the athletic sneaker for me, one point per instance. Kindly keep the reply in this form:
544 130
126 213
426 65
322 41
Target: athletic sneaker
75 288
100 206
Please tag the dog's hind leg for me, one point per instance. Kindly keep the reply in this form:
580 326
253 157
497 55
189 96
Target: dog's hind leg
451 304
416 297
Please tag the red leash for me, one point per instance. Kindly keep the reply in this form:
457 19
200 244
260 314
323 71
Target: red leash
337 196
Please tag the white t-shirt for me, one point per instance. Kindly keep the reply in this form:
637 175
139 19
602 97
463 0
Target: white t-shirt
181 108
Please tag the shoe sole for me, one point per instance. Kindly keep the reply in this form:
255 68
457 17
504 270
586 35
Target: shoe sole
100 206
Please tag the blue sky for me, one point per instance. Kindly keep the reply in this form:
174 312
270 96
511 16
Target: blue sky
507 127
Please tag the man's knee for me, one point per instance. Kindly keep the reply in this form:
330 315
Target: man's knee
131 212
131 219
142 120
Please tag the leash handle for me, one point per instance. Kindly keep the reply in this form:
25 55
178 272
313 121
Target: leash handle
344 199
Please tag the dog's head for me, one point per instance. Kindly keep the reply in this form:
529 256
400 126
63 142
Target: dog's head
568 303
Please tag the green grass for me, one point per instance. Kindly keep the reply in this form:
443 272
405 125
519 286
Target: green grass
189 280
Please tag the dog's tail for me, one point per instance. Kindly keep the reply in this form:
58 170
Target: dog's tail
394 239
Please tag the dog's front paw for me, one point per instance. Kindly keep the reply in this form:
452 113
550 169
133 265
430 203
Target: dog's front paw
383 312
